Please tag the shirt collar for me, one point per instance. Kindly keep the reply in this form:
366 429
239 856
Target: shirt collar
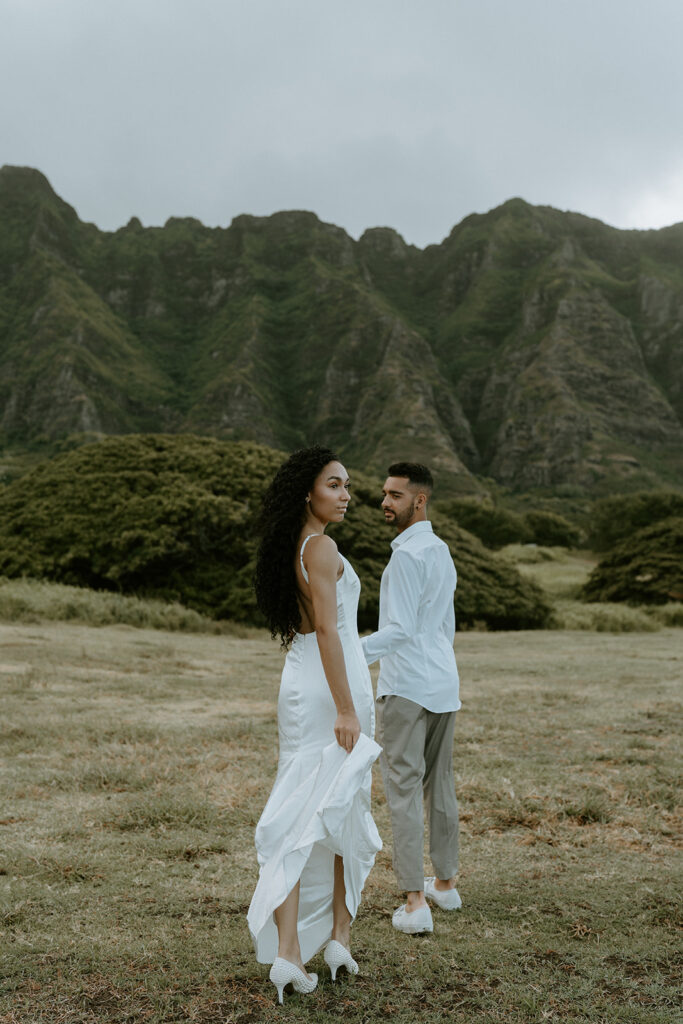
424 526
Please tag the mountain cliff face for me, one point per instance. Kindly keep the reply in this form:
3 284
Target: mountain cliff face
536 347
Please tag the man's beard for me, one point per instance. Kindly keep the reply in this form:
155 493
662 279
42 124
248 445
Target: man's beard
401 519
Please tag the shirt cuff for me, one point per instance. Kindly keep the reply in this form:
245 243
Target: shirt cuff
364 644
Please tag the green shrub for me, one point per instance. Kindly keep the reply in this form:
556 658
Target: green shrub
172 517
532 554
645 569
603 618
551 530
670 614
157 516
619 517
494 526
27 600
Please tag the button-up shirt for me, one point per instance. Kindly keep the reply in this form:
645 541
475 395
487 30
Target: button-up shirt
414 641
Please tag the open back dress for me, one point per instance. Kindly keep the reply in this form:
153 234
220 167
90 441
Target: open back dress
320 802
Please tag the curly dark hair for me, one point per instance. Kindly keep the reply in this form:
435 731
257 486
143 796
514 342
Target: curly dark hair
282 514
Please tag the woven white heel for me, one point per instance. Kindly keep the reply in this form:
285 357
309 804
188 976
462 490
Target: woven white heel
283 973
337 956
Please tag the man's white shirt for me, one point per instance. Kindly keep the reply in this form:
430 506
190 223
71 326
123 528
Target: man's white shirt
416 622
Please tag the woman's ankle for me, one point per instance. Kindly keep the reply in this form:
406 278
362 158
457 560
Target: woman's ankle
292 954
342 933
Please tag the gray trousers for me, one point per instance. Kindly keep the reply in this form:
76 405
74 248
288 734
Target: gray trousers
417 760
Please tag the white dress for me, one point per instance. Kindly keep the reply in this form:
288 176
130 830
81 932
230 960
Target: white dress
320 802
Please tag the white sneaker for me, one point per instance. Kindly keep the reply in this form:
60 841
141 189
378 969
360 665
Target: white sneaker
413 923
447 899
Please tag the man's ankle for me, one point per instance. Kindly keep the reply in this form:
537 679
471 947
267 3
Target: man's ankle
415 900
444 884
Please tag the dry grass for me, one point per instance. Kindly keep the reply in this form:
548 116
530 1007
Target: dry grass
136 763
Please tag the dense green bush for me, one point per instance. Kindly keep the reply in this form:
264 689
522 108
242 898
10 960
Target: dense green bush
619 517
552 531
645 569
494 526
154 515
172 517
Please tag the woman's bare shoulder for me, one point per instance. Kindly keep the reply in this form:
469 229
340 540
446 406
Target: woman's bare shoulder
321 552
319 544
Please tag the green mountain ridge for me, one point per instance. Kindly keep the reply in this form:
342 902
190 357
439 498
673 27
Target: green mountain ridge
538 348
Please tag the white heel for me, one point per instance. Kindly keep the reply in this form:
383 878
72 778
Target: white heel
283 973
337 956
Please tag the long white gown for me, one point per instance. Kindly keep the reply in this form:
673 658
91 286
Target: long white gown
320 802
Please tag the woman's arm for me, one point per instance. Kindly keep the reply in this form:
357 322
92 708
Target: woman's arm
322 561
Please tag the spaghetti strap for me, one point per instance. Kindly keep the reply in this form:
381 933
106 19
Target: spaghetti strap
301 554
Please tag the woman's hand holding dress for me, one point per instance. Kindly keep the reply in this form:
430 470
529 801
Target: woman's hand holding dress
347 730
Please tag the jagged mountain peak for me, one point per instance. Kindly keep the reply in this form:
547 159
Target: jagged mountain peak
190 222
24 179
535 346
27 190
386 241
134 224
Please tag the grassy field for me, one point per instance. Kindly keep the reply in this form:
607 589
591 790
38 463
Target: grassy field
135 766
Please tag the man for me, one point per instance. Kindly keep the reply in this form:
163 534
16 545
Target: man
417 697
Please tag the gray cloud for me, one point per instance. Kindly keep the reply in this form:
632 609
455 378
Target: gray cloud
409 114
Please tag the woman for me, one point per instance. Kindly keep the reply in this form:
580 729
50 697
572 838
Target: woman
316 840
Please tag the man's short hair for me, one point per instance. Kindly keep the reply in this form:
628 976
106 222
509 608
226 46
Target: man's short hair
417 474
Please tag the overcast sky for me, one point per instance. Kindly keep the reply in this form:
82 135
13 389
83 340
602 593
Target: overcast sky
407 113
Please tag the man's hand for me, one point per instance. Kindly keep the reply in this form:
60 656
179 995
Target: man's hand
347 730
